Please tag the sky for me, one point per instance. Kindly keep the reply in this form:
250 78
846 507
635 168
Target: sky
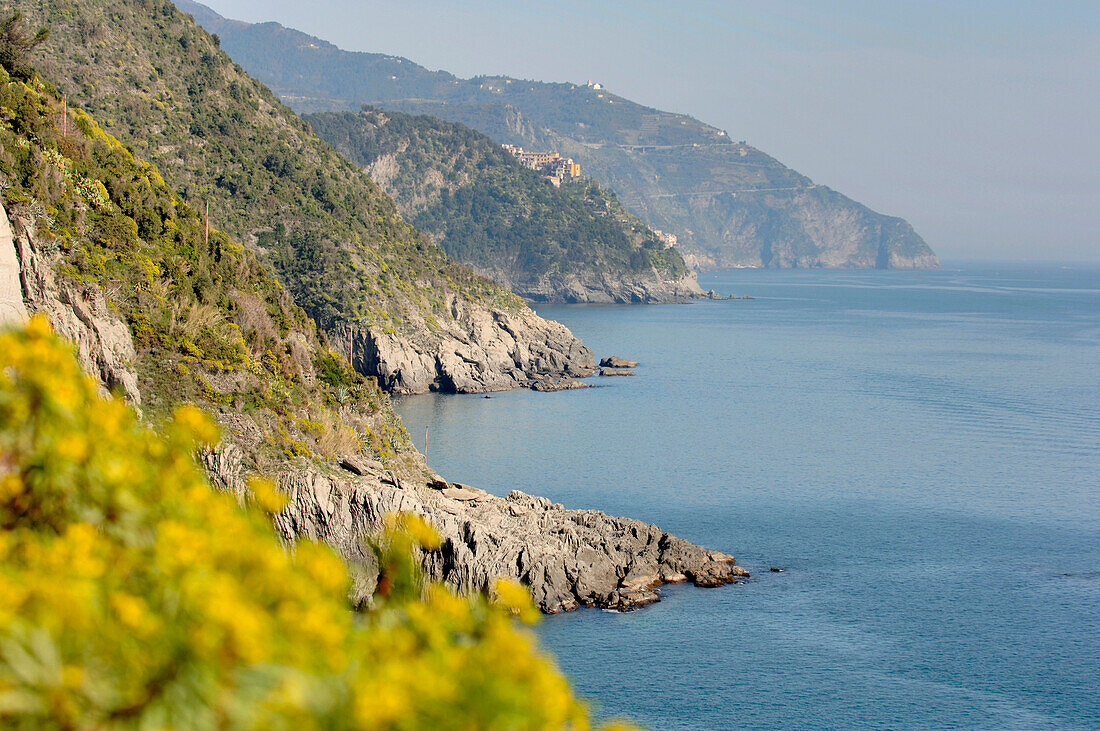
978 121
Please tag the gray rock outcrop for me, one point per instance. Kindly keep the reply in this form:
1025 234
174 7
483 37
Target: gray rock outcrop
614 361
77 312
12 310
568 558
480 349
600 288
562 384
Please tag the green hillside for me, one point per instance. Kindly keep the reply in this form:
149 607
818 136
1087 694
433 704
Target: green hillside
161 84
210 323
490 212
729 203
132 594
390 299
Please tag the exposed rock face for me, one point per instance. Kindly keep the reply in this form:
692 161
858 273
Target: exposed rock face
616 372
599 288
481 349
12 310
802 226
77 312
568 558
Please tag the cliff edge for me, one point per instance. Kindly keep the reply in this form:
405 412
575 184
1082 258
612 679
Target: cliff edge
223 142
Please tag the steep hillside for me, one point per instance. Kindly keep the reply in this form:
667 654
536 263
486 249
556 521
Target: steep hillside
165 602
574 243
390 300
163 310
729 203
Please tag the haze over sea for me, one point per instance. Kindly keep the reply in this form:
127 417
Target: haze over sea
920 451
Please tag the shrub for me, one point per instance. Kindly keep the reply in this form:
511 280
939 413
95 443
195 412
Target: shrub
132 594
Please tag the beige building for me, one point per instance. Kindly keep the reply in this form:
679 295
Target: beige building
551 163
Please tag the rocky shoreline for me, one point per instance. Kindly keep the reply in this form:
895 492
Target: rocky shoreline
568 558
480 349
600 288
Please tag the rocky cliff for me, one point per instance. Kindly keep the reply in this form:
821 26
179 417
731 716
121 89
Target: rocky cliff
594 287
161 310
477 349
12 309
226 145
78 312
568 558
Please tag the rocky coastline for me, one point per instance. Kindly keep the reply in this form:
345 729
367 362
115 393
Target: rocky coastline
568 558
480 349
601 288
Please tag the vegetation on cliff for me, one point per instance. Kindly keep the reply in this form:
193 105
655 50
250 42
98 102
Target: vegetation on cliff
160 84
730 204
134 596
210 323
490 212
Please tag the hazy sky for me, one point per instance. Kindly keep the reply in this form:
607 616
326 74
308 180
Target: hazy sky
978 121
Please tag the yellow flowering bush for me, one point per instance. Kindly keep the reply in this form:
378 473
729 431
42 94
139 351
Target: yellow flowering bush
134 595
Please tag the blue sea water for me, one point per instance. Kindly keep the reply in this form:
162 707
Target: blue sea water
920 451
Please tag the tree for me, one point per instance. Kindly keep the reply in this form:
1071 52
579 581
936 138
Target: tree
15 45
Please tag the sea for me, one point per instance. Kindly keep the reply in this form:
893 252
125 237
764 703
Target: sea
919 452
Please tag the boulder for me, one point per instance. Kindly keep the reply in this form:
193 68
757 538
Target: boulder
615 372
614 361
359 466
462 494
562 384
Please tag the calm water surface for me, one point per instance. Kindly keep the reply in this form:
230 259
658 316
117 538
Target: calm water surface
919 451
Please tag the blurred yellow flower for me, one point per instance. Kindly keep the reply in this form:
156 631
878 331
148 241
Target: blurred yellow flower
129 589
267 495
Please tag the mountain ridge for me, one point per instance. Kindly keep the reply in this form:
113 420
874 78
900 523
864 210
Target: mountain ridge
730 204
566 242
388 298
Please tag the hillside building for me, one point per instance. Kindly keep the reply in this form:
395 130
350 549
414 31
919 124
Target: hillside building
552 164
669 240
